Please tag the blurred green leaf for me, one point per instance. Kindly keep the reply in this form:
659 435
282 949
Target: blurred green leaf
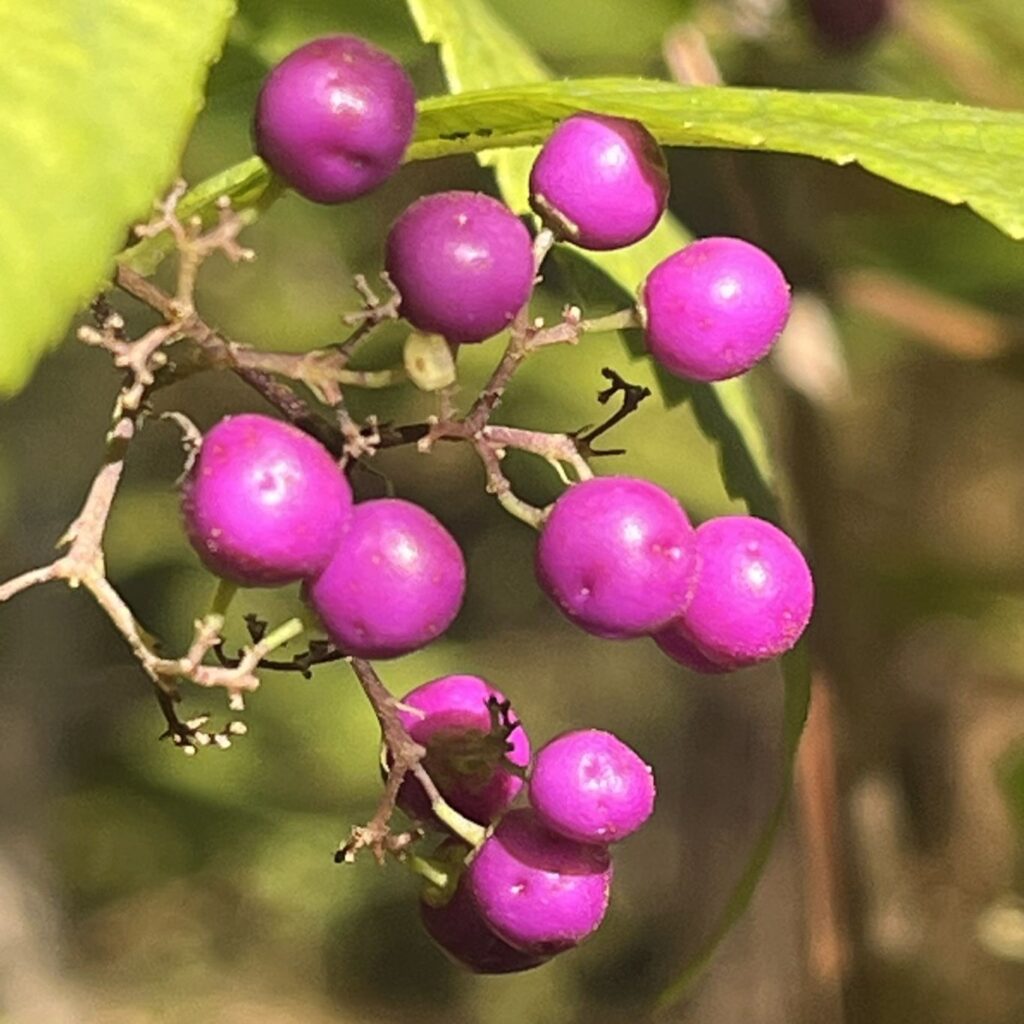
956 153
96 100
796 672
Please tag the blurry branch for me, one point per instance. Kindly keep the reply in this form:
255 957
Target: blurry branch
948 324
964 59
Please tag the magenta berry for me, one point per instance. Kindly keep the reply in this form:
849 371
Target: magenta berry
463 264
600 182
753 592
460 931
590 786
470 742
395 581
264 504
678 645
614 555
713 309
334 118
538 891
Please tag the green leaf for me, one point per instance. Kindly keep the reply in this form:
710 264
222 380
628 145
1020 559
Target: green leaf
956 153
477 52
796 673
96 100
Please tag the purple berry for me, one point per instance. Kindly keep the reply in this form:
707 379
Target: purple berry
538 891
395 582
264 504
463 264
677 644
600 182
753 592
847 24
460 931
334 118
615 555
713 309
468 747
590 786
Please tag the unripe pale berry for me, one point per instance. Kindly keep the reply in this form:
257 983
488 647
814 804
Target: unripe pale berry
264 504
334 118
590 786
615 554
460 931
468 750
395 582
713 309
463 264
538 891
600 182
677 644
753 592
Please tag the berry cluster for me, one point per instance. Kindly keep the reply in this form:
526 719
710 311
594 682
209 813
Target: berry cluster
538 884
265 504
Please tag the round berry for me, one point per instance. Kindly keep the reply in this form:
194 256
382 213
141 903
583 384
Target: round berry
847 24
264 504
460 931
334 118
713 309
677 644
752 595
395 582
463 264
590 786
600 182
472 737
538 891
615 554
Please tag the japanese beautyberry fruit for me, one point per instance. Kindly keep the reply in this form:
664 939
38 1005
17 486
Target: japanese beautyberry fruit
615 556
590 786
600 182
334 118
463 264
470 743
264 504
753 592
395 582
460 931
677 644
847 24
538 891
713 309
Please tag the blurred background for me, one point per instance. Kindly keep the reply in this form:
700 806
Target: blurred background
140 886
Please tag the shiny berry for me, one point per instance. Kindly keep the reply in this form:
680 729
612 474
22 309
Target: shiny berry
334 118
677 644
395 582
614 555
600 182
471 737
753 592
460 931
264 504
463 264
538 891
713 309
590 786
